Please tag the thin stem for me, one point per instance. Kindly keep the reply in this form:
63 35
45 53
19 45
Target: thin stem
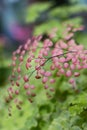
49 59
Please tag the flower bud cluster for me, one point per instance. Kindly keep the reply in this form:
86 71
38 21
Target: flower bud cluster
41 60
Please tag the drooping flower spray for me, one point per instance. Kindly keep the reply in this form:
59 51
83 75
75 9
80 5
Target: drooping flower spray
40 60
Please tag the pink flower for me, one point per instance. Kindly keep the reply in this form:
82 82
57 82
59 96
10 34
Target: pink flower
45 62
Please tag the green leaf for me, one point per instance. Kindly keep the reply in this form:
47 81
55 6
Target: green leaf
76 128
79 104
31 122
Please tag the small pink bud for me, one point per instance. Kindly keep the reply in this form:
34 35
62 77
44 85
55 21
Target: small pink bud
37 77
16 92
52 35
46 86
42 72
74 60
44 80
21 58
14 58
76 74
26 46
52 81
19 77
42 62
57 65
26 79
26 86
19 69
58 74
69 36
71 81
66 65
17 84
32 87
37 60
39 37
14 53
28 65
68 73
18 51
20 47
72 66
62 71
63 45
85 66
62 60
29 59
47 73
45 53
23 52
37 67
79 67
52 67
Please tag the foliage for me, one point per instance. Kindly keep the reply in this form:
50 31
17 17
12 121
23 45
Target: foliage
4 69
40 11
34 10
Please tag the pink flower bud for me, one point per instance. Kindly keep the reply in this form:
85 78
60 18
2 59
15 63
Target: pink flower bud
26 78
26 86
71 81
62 60
72 66
37 77
76 74
44 80
52 81
23 52
26 46
52 67
14 58
46 86
19 77
19 69
29 59
42 72
68 73
32 86
18 51
62 71
21 58
16 92
28 65
66 65
85 66
47 74
17 84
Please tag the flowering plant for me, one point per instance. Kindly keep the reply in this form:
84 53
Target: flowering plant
45 62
